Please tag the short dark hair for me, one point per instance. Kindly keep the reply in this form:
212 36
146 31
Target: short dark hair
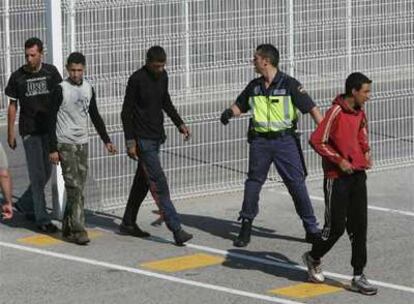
355 81
76 58
31 42
270 52
156 54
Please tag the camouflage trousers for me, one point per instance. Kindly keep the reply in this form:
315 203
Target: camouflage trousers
74 162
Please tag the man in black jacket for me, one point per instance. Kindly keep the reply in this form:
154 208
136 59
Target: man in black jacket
143 121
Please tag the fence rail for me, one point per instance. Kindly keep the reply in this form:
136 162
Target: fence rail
210 45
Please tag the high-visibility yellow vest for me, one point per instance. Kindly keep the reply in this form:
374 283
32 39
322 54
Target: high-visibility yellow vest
272 113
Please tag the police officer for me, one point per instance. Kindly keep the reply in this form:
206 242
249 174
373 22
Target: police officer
273 100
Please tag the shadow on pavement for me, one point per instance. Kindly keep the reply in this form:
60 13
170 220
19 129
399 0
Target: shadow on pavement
229 229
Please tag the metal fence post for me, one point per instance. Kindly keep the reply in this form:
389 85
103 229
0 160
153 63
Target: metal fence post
7 48
291 39
187 46
72 24
349 36
55 56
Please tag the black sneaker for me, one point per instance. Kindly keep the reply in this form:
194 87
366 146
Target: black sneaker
48 228
313 237
180 237
362 285
133 230
243 239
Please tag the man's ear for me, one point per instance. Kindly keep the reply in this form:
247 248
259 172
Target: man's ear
354 91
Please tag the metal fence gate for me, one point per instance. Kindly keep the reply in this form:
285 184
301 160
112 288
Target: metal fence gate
210 45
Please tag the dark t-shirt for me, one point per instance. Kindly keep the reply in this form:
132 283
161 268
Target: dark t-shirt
33 91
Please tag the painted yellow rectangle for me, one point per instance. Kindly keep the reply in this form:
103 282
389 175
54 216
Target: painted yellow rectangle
40 240
305 290
94 233
47 240
184 262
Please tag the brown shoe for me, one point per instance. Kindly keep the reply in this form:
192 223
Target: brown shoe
79 238
82 238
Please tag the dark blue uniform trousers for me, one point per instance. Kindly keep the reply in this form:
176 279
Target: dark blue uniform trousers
284 153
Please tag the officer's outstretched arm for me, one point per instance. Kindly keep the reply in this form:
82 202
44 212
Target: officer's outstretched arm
316 115
233 111
236 110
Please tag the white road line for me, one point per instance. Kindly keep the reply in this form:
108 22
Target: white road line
292 266
246 257
149 274
403 212
318 198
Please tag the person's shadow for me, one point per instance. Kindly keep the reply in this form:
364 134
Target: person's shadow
272 263
26 220
20 220
227 229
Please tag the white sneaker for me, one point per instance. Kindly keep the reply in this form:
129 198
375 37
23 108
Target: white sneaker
314 268
362 285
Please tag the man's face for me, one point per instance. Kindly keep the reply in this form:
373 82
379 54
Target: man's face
33 57
75 71
259 63
362 95
156 68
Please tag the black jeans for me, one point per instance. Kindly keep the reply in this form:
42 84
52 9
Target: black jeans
139 190
345 207
149 171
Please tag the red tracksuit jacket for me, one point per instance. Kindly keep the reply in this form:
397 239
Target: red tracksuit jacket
341 135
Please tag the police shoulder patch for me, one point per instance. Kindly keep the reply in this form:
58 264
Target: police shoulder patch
301 89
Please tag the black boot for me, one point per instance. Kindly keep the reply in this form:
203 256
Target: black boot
133 230
244 235
180 237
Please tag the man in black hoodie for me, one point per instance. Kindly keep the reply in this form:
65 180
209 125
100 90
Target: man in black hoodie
143 121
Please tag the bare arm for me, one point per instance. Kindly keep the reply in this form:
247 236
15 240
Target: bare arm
11 119
316 115
236 110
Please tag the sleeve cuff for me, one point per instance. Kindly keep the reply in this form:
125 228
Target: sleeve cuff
131 143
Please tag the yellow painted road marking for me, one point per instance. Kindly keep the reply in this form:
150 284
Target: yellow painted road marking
185 262
94 233
40 240
306 290
47 240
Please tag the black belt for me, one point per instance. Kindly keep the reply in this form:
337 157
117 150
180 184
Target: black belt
276 134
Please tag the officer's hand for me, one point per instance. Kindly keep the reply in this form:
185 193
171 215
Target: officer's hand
133 152
11 140
111 148
185 131
226 115
346 166
54 157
